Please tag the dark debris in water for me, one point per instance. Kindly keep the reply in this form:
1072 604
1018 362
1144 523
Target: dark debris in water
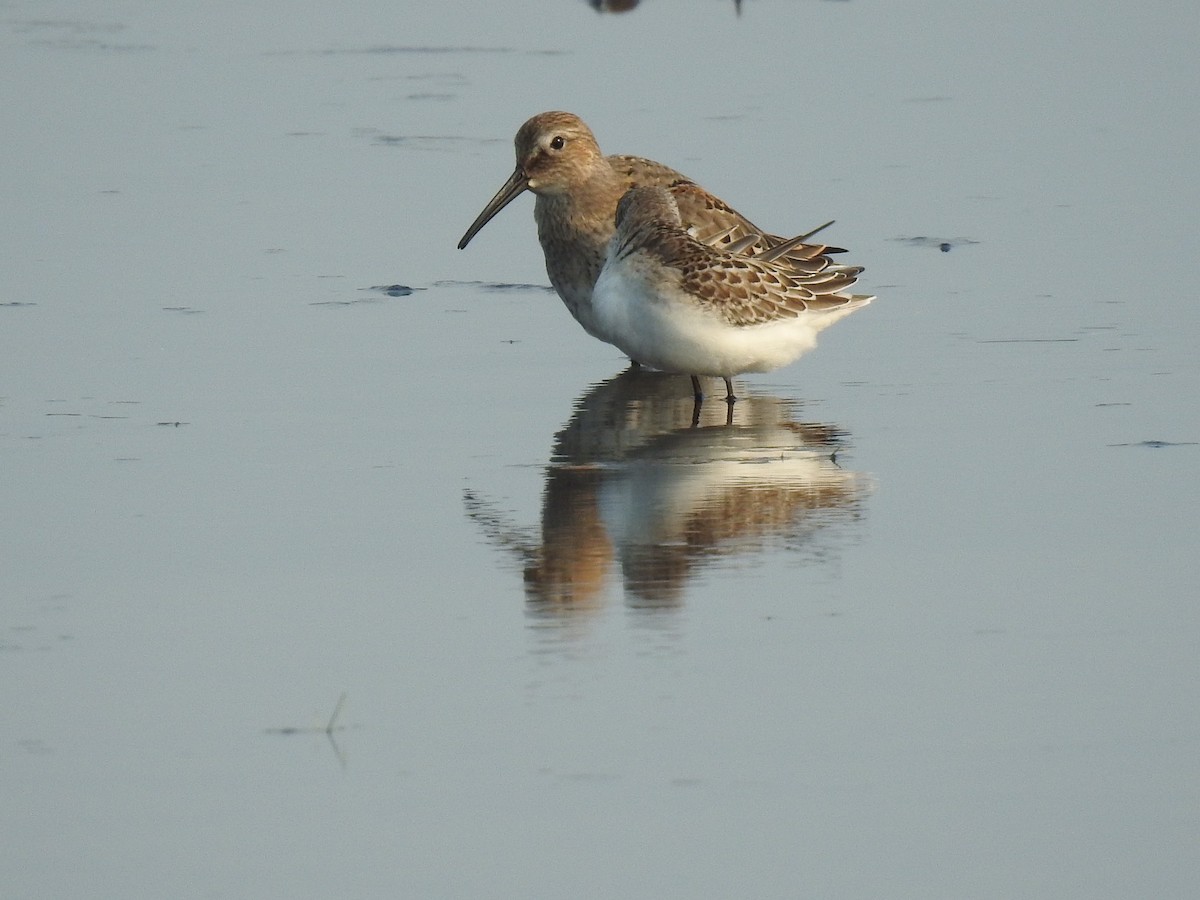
388 290
394 290
943 244
1158 445
497 286
329 728
16 303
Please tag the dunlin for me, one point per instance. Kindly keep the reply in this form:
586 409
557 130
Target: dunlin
677 304
577 190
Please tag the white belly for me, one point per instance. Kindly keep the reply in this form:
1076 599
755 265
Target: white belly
659 326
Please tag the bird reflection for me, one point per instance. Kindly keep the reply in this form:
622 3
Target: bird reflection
644 483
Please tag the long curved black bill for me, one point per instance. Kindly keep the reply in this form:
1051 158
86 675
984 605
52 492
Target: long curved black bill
516 185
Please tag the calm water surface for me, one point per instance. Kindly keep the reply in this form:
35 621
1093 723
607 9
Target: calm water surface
919 621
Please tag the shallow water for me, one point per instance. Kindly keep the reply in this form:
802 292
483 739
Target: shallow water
920 620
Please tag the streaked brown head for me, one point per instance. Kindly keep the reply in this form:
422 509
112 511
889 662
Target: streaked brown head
555 151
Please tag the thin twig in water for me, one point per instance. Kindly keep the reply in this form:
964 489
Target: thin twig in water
336 711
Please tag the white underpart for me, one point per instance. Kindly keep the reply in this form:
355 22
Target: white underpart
642 309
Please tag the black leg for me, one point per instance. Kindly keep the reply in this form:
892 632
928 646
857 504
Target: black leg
729 398
696 392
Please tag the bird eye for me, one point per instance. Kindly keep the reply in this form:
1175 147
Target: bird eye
558 142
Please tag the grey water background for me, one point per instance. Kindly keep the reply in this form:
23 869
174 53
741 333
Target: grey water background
920 622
